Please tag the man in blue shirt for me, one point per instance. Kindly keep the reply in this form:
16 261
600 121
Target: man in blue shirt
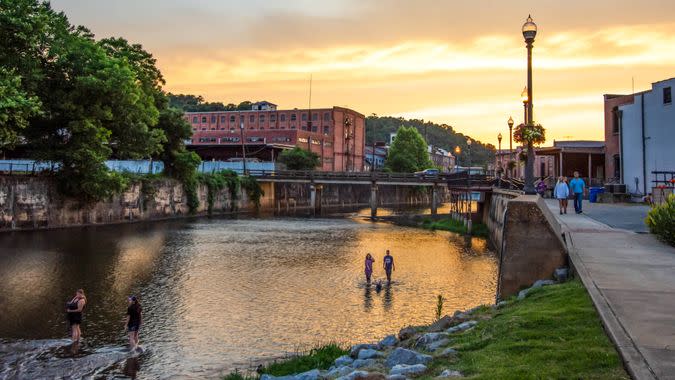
388 265
577 186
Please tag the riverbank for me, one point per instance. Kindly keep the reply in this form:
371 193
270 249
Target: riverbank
438 222
550 332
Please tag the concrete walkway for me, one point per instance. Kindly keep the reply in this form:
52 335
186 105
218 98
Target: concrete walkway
631 279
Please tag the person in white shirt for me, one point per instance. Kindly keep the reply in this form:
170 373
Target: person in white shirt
562 193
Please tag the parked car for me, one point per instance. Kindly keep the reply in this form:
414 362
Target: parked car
428 173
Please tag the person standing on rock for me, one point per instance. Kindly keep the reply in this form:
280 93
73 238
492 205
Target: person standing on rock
369 267
561 193
74 310
389 265
577 186
133 321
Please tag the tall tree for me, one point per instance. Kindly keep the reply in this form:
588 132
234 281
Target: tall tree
299 159
16 107
408 152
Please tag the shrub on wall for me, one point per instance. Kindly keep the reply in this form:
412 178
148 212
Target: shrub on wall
253 189
661 220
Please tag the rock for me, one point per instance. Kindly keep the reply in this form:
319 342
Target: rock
561 274
406 333
339 372
361 363
354 352
448 352
344 360
441 324
461 327
450 373
353 375
502 304
460 315
372 376
540 283
437 344
368 353
406 369
428 338
388 341
396 377
314 374
404 356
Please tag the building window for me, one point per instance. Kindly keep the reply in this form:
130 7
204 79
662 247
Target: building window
204 119
293 126
302 139
232 119
241 118
315 116
326 130
262 118
222 119
195 120
615 120
314 128
303 127
251 119
273 118
327 143
304 117
294 117
213 119
326 116
667 95
282 117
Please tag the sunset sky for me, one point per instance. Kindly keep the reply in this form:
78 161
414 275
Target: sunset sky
462 63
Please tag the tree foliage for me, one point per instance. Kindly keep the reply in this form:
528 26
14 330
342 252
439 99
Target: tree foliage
378 128
196 103
16 107
299 159
408 152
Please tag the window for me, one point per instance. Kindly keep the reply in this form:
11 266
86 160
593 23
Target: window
302 139
262 118
315 116
213 119
229 139
251 119
327 143
326 116
316 142
282 117
241 118
195 120
294 117
667 95
326 130
314 128
222 119
615 120
292 126
232 119
203 119
304 127
304 117
273 118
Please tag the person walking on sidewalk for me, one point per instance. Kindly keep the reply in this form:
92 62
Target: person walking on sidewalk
561 193
577 185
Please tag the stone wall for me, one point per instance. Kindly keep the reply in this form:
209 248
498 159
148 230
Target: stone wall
494 213
34 202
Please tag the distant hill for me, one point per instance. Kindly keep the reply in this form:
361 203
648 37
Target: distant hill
196 103
444 137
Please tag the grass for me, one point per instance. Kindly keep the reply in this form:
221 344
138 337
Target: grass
478 229
321 357
554 333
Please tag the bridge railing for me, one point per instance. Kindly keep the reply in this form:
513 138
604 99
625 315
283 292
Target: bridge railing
369 176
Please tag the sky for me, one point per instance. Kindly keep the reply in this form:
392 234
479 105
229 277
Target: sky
461 63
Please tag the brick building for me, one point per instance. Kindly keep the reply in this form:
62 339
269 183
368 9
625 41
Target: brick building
612 141
336 134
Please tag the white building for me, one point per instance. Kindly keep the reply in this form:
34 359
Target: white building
647 137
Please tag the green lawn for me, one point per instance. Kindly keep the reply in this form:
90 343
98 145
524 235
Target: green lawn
554 333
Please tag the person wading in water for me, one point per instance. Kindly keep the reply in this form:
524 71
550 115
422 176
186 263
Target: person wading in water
74 310
389 265
369 266
132 321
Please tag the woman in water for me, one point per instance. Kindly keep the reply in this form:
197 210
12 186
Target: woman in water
74 310
369 267
133 321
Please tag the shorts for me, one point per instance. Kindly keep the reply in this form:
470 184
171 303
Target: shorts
74 318
133 328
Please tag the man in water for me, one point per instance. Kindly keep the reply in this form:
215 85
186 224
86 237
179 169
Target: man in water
388 265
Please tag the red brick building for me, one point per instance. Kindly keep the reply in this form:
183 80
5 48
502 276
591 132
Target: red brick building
612 134
336 134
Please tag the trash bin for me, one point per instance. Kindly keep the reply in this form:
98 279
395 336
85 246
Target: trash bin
593 193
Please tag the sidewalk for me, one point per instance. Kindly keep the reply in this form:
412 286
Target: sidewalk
631 279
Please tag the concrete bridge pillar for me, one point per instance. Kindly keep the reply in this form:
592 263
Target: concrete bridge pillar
434 200
373 201
312 198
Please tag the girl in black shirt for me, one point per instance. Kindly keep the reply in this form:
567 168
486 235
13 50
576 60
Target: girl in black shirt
133 321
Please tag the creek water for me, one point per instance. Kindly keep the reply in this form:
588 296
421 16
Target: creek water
222 294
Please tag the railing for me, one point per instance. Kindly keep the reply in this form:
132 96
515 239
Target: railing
347 176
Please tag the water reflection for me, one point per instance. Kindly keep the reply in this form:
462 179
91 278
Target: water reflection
219 294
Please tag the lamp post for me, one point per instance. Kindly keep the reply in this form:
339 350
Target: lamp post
510 123
499 149
468 188
458 150
529 32
524 98
243 147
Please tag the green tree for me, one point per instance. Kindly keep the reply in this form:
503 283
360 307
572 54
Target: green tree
408 153
16 107
299 159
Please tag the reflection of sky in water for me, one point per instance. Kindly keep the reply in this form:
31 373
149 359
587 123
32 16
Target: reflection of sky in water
220 293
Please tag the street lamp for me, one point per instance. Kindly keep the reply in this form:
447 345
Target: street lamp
243 147
524 98
529 32
510 123
499 149
458 150
468 187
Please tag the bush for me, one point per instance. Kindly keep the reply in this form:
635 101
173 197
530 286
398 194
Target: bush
320 357
661 220
253 189
299 159
216 182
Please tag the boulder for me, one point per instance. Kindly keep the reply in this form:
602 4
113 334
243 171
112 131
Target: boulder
460 315
354 375
354 352
339 372
367 363
502 304
396 377
448 352
433 346
540 283
462 327
428 338
450 373
388 341
404 356
406 333
561 274
441 324
368 353
344 360
314 374
405 369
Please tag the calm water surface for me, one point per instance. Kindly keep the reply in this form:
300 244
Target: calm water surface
220 294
